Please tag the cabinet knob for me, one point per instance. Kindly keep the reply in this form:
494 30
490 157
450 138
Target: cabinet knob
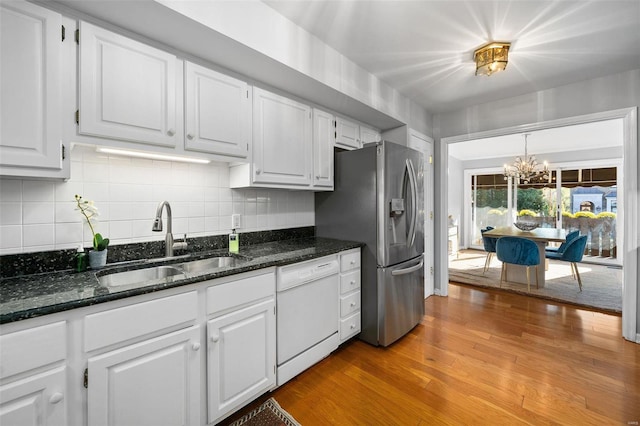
352 282
215 338
189 136
353 262
352 304
317 177
56 397
171 132
258 171
352 326
195 346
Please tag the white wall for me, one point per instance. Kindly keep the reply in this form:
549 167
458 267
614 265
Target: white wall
456 194
39 215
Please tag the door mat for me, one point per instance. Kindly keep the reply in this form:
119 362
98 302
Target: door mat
268 414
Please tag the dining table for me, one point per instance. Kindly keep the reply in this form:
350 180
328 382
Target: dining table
541 236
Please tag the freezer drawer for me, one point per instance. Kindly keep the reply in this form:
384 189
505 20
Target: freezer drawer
401 299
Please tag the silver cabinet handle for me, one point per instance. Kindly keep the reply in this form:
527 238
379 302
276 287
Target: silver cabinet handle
171 132
56 397
189 136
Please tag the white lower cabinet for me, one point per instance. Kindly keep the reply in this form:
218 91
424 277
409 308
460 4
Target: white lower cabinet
35 400
240 358
241 342
33 375
350 294
154 382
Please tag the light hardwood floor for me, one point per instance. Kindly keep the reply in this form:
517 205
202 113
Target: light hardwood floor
479 357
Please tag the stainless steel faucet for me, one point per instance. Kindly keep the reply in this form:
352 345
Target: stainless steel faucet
169 245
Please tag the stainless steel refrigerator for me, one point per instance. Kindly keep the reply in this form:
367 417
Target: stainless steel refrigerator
378 200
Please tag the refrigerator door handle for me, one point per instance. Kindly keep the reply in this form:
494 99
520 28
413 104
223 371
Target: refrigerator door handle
414 198
408 270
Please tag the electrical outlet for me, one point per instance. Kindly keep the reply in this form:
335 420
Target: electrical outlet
235 221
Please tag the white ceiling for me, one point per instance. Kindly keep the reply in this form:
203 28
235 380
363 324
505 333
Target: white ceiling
596 135
424 48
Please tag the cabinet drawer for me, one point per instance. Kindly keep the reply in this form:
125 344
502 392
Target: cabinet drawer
32 348
350 281
350 260
239 292
121 324
349 304
349 326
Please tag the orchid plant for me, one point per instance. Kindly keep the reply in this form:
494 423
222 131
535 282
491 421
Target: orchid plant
90 212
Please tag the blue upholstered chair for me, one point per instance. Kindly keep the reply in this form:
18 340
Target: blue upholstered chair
489 246
573 254
518 251
570 237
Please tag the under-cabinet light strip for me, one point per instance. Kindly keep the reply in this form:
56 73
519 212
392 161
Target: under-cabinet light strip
152 156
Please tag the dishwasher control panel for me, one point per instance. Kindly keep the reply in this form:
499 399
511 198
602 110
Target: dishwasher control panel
293 275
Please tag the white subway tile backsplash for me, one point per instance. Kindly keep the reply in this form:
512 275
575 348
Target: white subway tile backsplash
37 190
68 235
120 229
10 190
11 213
11 238
38 235
40 215
37 212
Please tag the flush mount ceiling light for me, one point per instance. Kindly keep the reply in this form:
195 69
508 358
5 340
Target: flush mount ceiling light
525 169
151 156
491 58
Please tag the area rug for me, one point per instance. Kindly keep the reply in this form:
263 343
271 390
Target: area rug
601 285
268 414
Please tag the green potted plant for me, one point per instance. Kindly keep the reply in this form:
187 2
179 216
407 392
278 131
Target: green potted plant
97 256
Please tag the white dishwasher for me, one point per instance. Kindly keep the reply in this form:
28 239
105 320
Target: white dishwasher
307 314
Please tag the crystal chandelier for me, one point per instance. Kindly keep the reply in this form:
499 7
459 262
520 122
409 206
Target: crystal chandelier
525 169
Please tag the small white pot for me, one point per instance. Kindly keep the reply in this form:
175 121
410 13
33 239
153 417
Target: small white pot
97 258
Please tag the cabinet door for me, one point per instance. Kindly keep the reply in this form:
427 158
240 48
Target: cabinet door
282 140
155 382
369 135
347 134
323 141
241 357
35 400
127 89
218 113
30 83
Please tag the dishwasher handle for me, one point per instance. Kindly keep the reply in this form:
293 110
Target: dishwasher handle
408 270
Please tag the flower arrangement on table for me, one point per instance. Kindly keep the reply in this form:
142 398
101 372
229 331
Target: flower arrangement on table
100 244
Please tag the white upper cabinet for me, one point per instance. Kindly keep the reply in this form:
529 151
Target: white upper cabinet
323 141
347 134
282 139
218 112
30 83
368 134
127 89
351 135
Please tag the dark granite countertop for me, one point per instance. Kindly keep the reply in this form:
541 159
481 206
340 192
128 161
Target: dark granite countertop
34 295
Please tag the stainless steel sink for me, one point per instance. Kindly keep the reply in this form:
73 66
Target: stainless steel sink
141 276
212 263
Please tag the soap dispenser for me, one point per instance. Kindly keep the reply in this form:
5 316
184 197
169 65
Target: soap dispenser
80 259
234 242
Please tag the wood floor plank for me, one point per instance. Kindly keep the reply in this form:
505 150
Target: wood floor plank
478 357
